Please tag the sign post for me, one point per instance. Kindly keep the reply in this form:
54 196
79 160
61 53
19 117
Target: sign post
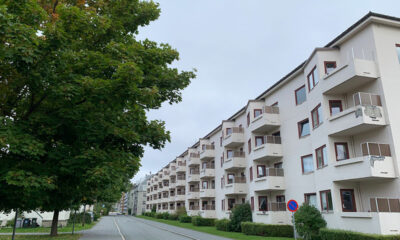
292 206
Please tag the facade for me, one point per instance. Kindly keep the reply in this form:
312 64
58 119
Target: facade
326 134
137 197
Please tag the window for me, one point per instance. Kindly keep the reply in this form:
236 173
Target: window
252 203
348 200
231 203
342 151
229 154
262 203
320 154
257 112
222 161
259 140
223 204
248 119
398 51
220 141
307 163
304 128
280 199
316 115
326 200
204 185
222 182
249 145
251 173
278 165
310 199
312 78
275 104
261 171
335 106
228 131
300 95
329 66
231 178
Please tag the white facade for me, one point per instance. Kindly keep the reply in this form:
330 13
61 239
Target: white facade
345 164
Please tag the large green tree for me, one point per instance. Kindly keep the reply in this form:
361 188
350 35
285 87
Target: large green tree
75 87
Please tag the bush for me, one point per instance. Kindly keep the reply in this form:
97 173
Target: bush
159 215
173 216
10 223
185 219
154 209
200 221
267 230
181 211
308 221
79 218
223 225
165 215
333 234
240 213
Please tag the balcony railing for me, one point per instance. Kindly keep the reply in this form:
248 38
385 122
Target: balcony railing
181 163
180 193
195 155
238 154
207 147
385 205
194 189
367 99
273 172
208 207
271 110
237 180
208 166
181 177
376 149
194 171
210 187
194 207
275 207
234 130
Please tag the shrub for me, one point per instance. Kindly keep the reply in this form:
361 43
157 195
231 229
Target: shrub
181 211
173 216
333 234
223 225
308 221
154 209
267 230
200 221
165 215
185 219
240 213
79 218
159 215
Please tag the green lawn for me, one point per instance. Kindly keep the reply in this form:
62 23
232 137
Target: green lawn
60 237
213 230
68 228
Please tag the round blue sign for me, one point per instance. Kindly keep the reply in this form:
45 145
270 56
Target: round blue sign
292 205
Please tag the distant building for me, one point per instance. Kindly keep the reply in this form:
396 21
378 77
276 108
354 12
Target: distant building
137 197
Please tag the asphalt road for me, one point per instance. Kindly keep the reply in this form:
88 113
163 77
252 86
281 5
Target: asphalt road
131 228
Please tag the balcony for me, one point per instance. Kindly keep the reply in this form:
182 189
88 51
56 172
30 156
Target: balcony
234 137
207 152
181 182
181 167
376 163
172 185
267 121
171 198
353 75
275 214
172 171
366 115
193 210
194 176
180 197
270 149
235 161
208 211
208 171
273 180
194 159
237 185
207 193
193 193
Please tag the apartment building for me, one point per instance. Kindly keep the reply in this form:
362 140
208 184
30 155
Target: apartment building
327 134
137 197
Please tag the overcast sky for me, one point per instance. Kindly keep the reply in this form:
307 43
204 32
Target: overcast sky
240 48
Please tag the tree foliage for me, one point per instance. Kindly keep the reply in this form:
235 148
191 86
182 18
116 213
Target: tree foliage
75 87
240 213
308 221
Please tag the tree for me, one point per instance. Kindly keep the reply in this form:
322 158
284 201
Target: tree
308 221
75 87
240 213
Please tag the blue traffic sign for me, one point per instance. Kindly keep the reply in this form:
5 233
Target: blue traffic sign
292 205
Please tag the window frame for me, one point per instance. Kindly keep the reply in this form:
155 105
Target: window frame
328 62
327 201
259 203
252 203
262 141
227 131
299 127
397 45
234 202
248 119
335 101
249 145
202 184
227 178
264 169
311 73
347 150
251 173
227 153
295 94
302 163
310 194
256 110
317 115
353 199
324 163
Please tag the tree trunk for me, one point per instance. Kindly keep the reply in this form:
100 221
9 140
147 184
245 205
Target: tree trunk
83 216
15 224
54 223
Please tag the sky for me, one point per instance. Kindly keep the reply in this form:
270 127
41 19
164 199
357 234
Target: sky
239 48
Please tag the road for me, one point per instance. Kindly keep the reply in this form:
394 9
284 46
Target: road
131 228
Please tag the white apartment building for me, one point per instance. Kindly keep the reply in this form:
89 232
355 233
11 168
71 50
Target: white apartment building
327 133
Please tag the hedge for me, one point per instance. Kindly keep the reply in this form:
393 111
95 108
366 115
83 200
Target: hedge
185 219
200 221
165 215
159 215
333 234
267 230
173 217
223 225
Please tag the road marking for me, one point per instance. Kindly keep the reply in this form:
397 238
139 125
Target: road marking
165 229
119 230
